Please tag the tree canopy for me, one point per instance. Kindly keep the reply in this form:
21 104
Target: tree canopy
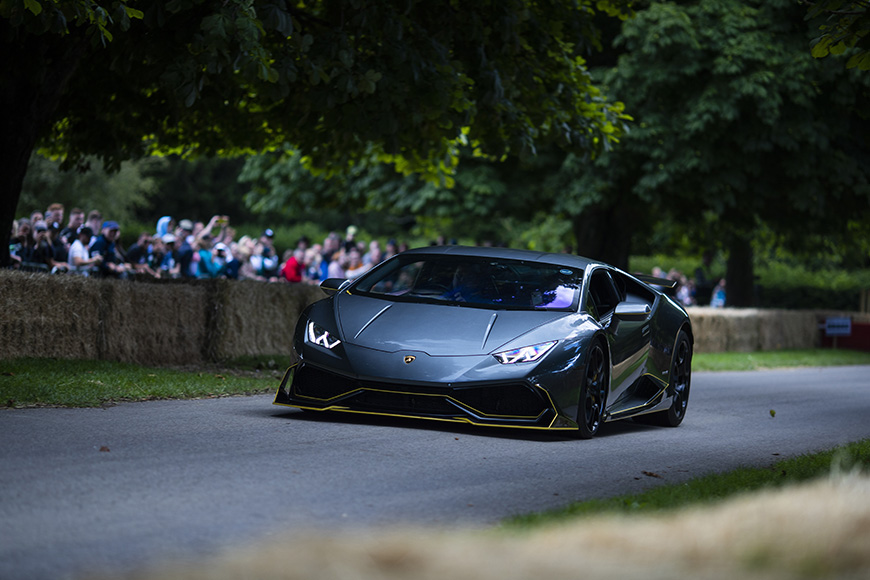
485 195
737 127
409 81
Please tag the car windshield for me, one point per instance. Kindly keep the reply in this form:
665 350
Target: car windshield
474 281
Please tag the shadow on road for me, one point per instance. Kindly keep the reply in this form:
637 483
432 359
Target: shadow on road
608 430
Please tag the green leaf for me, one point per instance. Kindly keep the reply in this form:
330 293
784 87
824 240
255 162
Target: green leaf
34 6
822 48
133 13
860 61
190 90
839 48
216 25
373 75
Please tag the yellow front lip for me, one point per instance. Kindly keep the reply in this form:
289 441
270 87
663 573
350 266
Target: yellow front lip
465 420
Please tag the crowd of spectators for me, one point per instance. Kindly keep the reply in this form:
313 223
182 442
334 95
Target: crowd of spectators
88 245
701 290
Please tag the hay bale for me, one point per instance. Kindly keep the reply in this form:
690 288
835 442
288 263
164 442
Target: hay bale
161 323
752 329
253 318
785 329
48 316
742 333
152 324
711 331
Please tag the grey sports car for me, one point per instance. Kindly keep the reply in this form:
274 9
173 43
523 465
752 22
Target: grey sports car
497 337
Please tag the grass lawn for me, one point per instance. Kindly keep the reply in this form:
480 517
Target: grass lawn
80 383
751 361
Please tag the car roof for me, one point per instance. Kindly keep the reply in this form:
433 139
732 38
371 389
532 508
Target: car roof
570 260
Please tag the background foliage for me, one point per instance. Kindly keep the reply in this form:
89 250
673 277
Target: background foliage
741 142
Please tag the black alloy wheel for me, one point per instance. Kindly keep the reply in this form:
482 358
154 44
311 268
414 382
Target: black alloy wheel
681 382
593 393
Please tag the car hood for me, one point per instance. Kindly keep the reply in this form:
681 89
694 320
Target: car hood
438 330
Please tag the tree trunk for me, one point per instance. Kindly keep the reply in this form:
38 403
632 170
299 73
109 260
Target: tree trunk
604 233
28 101
15 149
740 274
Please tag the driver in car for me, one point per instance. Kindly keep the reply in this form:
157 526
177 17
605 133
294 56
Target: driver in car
468 284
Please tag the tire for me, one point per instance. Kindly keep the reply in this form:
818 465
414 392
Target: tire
681 382
593 393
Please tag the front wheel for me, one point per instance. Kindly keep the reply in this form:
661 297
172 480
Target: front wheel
593 393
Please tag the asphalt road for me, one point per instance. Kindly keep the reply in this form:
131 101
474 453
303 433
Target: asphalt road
114 489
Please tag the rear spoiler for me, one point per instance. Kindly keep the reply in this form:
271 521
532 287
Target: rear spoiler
663 282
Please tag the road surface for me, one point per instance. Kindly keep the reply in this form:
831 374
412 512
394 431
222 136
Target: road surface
118 488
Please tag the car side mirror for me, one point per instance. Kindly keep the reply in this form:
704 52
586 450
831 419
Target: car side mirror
331 286
632 312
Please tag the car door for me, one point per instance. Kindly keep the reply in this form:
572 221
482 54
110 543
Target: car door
629 338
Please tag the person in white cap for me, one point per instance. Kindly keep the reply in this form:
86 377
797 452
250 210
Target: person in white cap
169 266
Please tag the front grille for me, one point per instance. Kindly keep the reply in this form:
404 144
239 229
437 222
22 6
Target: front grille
317 384
518 400
402 403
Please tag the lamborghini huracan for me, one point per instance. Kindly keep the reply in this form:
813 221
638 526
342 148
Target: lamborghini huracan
495 337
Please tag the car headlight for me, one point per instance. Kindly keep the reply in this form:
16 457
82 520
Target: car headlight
320 336
524 354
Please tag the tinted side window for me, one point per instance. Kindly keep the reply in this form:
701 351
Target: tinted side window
602 293
632 290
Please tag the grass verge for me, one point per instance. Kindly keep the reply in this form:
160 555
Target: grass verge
751 361
80 383
710 488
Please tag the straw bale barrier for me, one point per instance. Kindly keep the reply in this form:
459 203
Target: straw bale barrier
253 318
152 324
191 322
38 318
754 329
166 323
